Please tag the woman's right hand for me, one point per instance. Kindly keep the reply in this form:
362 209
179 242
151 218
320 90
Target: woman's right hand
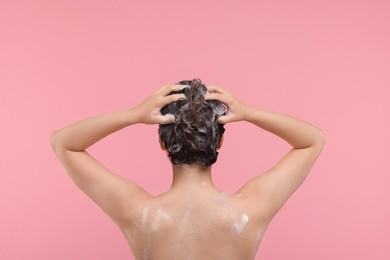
236 109
149 110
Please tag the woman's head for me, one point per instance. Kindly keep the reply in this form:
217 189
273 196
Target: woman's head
195 135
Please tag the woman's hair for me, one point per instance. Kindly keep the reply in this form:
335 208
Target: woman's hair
195 135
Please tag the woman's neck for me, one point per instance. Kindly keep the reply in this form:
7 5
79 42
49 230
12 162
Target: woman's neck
191 177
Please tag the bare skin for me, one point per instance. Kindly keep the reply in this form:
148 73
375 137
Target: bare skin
193 219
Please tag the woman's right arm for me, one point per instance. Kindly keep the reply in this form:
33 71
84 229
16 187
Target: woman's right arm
114 194
276 185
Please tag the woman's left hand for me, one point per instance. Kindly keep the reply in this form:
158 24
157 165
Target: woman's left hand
148 111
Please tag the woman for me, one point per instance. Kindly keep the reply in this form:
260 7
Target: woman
193 219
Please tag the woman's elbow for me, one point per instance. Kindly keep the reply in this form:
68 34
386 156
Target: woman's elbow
320 139
54 140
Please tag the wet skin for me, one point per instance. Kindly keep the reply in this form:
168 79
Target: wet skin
203 223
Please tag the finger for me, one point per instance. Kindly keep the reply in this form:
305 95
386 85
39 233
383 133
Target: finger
216 96
167 89
224 119
171 98
221 120
167 119
215 89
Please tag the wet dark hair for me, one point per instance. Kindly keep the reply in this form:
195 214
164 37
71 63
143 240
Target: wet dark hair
195 135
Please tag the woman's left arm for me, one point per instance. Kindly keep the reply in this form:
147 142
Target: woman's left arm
115 195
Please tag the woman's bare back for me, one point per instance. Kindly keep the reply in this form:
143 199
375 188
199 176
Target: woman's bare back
208 225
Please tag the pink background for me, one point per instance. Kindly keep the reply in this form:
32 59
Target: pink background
327 62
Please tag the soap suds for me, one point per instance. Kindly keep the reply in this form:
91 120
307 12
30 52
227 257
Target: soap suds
239 226
183 225
161 215
144 217
221 198
146 254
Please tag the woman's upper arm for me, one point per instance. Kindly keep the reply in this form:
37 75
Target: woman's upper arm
275 186
114 194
